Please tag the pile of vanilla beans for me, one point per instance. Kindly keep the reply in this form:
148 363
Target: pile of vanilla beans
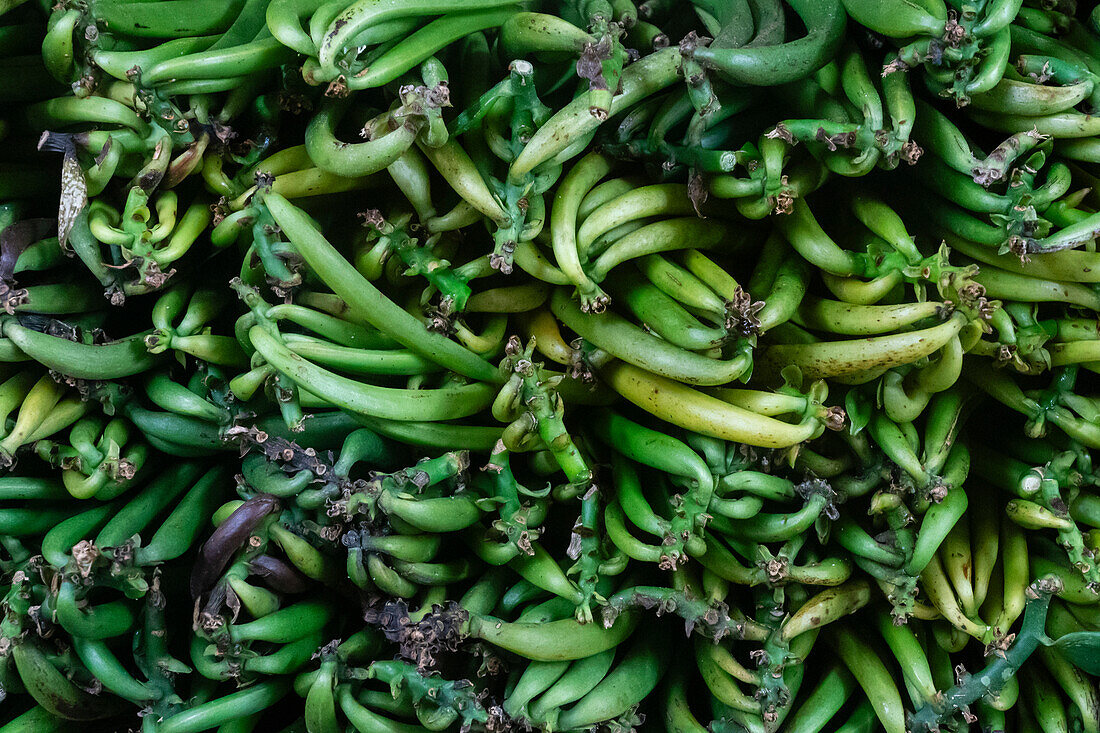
704 366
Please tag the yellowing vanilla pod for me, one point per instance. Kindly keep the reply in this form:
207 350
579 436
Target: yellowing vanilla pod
825 607
1012 286
862 320
841 358
694 410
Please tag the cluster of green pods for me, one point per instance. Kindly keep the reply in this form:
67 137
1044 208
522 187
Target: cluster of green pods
557 366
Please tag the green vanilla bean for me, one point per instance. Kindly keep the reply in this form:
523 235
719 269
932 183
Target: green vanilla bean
367 301
98 658
36 720
533 33
861 320
665 316
567 201
552 641
424 42
899 19
619 337
113 360
357 16
216 712
216 63
665 453
189 18
873 676
574 121
53 691
824 702
366 399
783 62
354 160
627 684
